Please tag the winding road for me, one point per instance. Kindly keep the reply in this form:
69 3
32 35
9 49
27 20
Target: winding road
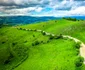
82 48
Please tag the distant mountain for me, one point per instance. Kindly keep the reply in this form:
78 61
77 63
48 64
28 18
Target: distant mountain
13 20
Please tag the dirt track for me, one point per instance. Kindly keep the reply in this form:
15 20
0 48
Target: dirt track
82 49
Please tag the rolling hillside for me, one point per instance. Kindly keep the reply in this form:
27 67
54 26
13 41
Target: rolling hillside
22 49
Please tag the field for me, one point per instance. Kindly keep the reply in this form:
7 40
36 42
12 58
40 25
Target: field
31 50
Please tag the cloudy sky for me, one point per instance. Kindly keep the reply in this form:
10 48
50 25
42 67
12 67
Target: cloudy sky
42 7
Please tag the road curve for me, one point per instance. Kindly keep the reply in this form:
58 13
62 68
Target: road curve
82 48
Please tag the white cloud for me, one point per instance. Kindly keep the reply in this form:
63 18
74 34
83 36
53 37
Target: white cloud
39 9
78 11
59 7
19 11
23 11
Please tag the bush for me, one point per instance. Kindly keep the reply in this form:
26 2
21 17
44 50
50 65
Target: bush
33 35
14 43
44 33
3 42
78 45
35 43
79 61
48 41
20 28
51 37
41 41
59 36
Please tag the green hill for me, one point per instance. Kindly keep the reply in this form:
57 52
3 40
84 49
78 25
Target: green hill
22 49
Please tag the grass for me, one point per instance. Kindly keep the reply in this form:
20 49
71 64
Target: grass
41 52
19 41
72 28
51 56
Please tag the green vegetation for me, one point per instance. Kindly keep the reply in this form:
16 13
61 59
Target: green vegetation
51 37
72 19
51 56
77 45
79 61
44 33
35 43
25 48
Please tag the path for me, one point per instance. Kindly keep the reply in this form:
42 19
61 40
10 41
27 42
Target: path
82 48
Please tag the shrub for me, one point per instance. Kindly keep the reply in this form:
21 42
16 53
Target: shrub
48 41
44 33
35 43
78 45
14 43
51 37
59 36
41 41
3 42
20 28
79 61
33 35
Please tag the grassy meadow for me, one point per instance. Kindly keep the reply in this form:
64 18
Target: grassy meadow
31 50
